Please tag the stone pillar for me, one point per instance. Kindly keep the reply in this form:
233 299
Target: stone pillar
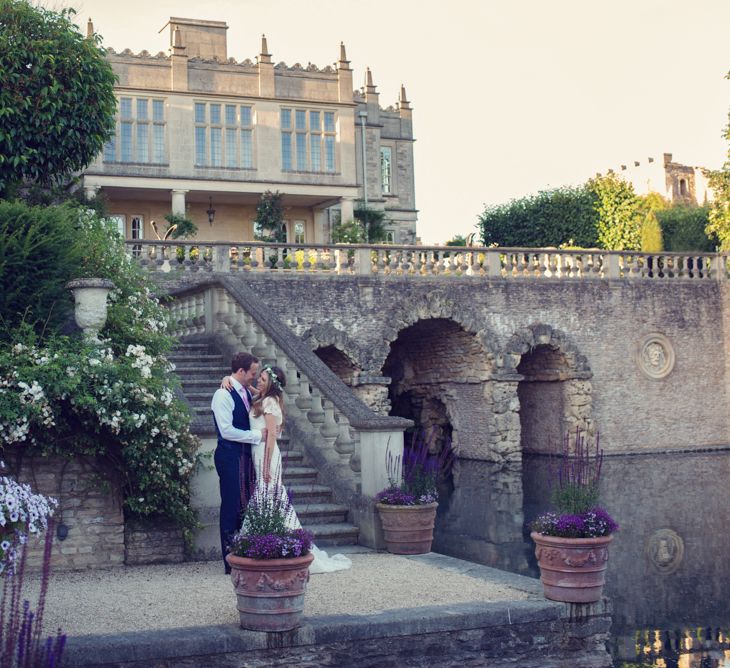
320 223
178 202
347 207
372 390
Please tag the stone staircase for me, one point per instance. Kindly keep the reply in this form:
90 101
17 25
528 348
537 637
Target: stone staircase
200 367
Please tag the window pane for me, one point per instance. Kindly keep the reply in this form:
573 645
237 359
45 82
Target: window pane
230 114
137 228
298 233
200 150
143 154
329 121
286 150
215 114
285 119
301 119
216 154
231 152
315 152
301 151
158 110
199 112
125 107
385 168
110 149
329 152
142 108
314 121
158 143
246 149
126 137
245 116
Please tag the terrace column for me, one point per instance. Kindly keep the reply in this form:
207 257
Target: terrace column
347 207
178 202
320 223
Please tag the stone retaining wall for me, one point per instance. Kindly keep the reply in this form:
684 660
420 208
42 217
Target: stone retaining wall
529 634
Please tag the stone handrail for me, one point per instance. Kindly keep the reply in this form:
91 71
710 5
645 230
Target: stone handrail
418 261
352 440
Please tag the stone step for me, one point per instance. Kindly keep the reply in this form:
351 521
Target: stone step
213 372
322 513
184 362
335 533
297 474
194 347
304 493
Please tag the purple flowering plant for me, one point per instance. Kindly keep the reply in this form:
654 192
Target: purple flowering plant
267 530
416 483
575 493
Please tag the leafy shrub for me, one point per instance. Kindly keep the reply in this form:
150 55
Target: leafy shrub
39 253
684 228
550 218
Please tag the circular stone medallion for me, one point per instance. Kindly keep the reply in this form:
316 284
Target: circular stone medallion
665 549
655 356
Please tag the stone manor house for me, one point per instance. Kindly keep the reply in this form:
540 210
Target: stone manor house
201 134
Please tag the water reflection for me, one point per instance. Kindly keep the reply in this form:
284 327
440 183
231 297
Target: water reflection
689 648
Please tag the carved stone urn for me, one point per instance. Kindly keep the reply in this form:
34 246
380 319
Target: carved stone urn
90 296
270 592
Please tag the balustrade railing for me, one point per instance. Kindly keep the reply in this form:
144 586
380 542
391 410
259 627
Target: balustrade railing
420 261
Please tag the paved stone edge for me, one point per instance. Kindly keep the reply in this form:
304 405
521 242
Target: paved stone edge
99 650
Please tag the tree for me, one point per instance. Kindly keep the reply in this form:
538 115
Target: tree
372 221
57 100
458 240
550 218
719 215
270 217
348 233
684 228
619 213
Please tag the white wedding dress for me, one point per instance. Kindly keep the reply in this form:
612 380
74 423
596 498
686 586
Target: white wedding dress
323 563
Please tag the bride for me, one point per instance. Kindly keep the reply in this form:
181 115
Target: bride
267 413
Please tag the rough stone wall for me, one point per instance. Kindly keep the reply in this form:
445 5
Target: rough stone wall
152 541
90 506
604 323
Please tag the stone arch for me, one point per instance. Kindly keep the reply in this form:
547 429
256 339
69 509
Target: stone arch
554 389
338 362
434 305
326 335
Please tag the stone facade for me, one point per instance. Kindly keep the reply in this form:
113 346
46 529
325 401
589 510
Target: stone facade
198 131
152 541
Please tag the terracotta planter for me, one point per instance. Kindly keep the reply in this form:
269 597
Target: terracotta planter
408 529
572 569
270 592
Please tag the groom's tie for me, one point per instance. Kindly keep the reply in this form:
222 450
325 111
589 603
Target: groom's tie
244 395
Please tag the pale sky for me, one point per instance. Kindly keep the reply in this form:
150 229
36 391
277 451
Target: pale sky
509 97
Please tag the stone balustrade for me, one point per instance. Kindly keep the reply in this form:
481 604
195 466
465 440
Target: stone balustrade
351 442
417 261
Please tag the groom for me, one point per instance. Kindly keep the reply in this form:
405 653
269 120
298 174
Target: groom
233 455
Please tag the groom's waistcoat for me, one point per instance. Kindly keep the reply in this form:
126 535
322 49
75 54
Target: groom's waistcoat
240 418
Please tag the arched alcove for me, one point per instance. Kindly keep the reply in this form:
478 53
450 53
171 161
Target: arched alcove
338 362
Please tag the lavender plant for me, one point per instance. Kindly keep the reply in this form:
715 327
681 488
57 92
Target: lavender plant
416 482
23 514
575 493
266 531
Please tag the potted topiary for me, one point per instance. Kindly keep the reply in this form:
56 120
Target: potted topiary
572 543
407 507
269 563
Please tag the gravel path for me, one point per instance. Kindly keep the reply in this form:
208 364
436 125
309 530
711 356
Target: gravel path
199 594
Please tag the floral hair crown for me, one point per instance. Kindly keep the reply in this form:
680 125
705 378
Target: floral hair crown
273 376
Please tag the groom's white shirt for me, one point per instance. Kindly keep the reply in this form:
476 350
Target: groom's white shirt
222 407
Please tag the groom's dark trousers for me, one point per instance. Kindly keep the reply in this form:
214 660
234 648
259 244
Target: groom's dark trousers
236 474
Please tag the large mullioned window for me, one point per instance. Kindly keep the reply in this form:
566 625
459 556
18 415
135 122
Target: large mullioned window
139 135
223 135
308 140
